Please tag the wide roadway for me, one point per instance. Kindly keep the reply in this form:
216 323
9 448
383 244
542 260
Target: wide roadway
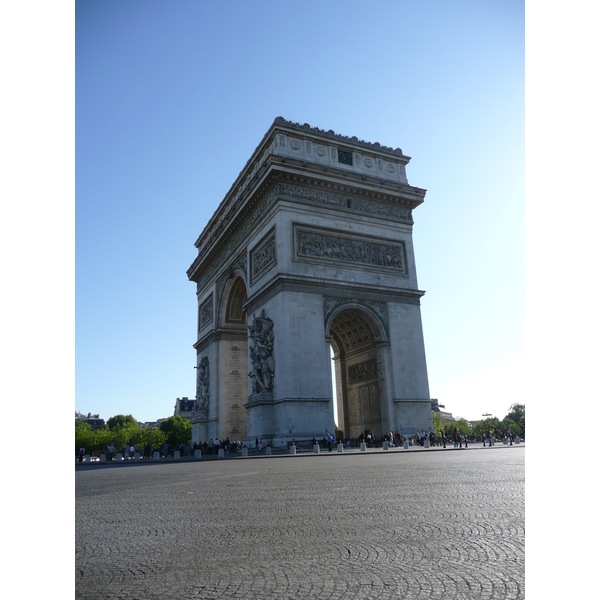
431 524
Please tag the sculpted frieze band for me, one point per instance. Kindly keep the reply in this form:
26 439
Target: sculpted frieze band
403 215
320 245
285 190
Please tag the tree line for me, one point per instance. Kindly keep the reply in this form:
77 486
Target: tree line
513 421
122 430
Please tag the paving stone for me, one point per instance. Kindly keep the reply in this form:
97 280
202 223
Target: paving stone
436 525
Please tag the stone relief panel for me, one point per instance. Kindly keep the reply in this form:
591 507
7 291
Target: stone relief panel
331 246
314 196
202 386
205 313
330 304
261 353
263 257
363 370
380 309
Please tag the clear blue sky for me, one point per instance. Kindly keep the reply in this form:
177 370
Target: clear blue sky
173 97
141 108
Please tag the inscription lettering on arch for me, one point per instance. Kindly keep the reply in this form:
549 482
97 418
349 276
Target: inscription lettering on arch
332 246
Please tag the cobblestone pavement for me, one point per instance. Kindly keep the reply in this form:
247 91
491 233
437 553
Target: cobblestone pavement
423 525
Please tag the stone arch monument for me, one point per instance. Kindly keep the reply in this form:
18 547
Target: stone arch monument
310 250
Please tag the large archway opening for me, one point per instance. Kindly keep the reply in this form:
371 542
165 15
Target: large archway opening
233 361
353 337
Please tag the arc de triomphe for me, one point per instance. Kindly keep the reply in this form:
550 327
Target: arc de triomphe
311 249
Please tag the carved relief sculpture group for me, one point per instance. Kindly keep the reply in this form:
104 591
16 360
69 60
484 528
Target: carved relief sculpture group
261 353
362 370
202 389
206 313
348 250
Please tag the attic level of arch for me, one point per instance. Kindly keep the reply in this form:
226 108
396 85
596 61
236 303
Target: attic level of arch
301 189
266 156
283 168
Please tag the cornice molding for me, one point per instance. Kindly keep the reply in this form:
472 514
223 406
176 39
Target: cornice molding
343 291
393 205
375 146
273 151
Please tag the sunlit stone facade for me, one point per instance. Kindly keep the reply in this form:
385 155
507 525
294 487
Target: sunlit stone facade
310 249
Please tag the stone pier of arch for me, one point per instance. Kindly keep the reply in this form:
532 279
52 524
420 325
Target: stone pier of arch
314 239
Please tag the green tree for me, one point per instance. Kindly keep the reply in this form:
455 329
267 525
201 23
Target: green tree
438 424
143 436
482 427
138 437
462 426
157 438
84 437
508 424
120 421
177 430
104 437
124 431
516 413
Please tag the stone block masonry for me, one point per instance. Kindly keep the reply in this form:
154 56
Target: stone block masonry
310 250
325 527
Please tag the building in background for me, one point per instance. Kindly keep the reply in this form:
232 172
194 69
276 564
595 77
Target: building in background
184 407
94 420
446 416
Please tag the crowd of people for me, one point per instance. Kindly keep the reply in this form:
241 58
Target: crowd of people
213 446
394 439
